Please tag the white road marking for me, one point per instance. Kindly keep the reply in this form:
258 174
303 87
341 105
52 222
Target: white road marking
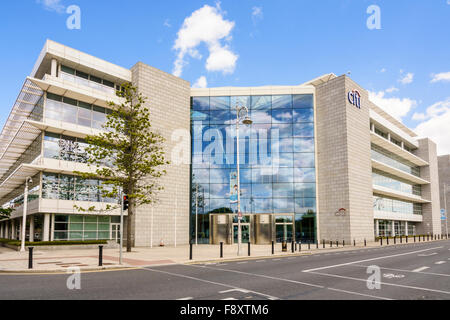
440 262
229 299
276 259
296 282
383 283
420 269
233 290
427 255
260 260
210 282
242 262
372 259
186 298
402 270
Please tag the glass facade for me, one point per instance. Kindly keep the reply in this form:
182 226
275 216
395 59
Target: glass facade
67 187
277 159
391 205
83 227
75 112
385 180
390 159
85 79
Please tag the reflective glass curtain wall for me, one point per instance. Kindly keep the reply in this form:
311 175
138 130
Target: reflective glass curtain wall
277 160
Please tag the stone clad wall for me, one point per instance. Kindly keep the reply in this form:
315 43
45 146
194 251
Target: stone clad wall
169 104
344 168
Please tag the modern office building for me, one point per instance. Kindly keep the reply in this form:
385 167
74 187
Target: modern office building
318 161
444 180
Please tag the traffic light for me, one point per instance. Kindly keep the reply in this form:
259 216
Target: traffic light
125 203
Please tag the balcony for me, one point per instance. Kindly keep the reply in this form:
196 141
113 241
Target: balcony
387 215
398 173
392 147
398 195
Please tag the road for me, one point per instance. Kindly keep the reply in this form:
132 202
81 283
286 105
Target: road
414 271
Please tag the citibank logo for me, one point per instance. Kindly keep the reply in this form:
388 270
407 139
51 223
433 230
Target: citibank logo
354 97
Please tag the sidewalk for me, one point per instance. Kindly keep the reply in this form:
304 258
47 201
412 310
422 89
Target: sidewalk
87 259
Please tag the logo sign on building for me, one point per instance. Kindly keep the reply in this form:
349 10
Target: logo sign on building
341 212
354 97
443 215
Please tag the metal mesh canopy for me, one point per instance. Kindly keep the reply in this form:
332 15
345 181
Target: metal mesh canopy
17 179
17 134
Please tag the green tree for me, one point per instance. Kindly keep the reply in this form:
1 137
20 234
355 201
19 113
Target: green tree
128 155
5 213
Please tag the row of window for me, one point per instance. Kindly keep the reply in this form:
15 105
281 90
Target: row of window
256 206
383 180
74 111
88 80
265 102
389 228
67 148
78 227
274 116
68 187
386 157
392 139
396 206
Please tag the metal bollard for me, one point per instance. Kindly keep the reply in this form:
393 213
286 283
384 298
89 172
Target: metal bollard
309 245
401 239
190 251
296 244
428 237
273 247
343 243
414 238
365 242
100 256
249 248
337 243
406 238
221 249
387 240
331 244
30 257
292 247
323 243
300 246
317 244
395 239
381 241
354 242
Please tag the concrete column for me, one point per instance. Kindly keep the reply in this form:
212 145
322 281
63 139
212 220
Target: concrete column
46 227
31 228
372 127
20 229
393 228
389 136
406 228
52 227
54 68
377 228
2 227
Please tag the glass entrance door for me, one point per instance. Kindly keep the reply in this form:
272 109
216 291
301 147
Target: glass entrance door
245 229
115 232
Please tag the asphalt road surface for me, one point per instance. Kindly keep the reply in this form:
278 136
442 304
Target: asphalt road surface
415 271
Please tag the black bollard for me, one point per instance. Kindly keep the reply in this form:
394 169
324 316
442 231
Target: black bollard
365 242
331 244
309 245
337 243
100 256
190 251
354 242
381 241
317 244
300 246
343 243
221 249
387 240
414 238
406 238
30 257
273 247
323 243
249 248
395 239
401 239
292 247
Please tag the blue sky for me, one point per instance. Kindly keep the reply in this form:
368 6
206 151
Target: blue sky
405 64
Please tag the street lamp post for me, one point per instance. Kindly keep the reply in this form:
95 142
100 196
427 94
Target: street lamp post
445 208
246 121
25 209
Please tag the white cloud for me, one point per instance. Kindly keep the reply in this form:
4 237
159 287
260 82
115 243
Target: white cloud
408 78
201 83
167 23
396 107
257 14
391 89
435 126
205 25
443 76
52 5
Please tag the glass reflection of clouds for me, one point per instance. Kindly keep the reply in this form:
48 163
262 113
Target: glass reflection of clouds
277 156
